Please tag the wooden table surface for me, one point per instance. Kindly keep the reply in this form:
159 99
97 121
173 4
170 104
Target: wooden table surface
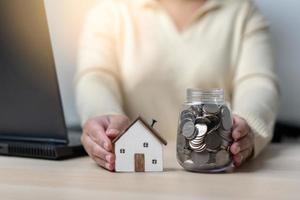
273 175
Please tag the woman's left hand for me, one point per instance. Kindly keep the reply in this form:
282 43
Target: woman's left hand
243 144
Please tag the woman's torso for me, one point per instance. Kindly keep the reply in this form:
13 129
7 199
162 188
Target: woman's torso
158 63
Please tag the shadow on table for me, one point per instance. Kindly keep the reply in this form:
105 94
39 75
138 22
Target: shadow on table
260 162
254 165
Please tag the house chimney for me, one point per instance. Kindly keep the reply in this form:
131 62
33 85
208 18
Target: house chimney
153 123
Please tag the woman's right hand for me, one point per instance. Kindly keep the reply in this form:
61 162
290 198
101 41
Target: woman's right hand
98 132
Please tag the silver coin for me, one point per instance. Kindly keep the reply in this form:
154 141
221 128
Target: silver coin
226 118
214 123
222 158
184 121
211 108
181 142
198 141
198 148
187 115
184 112
201 148
202 129
197 109
200 158
212 158
202 120
213 141
226 135
188 129
193 146
188 163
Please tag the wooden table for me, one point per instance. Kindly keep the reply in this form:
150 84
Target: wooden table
273 175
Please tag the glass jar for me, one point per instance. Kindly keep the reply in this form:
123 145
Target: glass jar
204 132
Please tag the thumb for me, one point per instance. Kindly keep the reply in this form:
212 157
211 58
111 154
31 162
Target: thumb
116 125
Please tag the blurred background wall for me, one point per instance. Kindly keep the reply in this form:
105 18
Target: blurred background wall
66 18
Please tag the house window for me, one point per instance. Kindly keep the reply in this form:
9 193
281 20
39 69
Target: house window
122 150
154 161
145 145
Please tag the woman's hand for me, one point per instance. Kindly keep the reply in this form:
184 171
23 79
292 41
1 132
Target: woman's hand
98 132
243 145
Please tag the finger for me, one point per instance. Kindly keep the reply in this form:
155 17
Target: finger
242 157
116 125
98 151
97 134
104 164
241 145
240 128
240 123
86 145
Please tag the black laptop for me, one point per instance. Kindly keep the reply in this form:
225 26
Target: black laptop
31 115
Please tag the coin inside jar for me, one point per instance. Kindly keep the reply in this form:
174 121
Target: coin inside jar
204 132
186 114
213 141
226 118
197 143
214 122
197 109
211 108
198 148
212 158
202 129
202 120
222 157
226 135
189 129
200 158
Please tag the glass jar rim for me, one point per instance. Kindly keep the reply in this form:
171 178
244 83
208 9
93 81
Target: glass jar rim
213 96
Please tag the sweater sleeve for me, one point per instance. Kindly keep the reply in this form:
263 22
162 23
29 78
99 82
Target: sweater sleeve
97 83
255 94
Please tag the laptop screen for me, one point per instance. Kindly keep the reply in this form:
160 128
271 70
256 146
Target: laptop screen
30 104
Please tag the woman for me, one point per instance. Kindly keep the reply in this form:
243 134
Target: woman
140 56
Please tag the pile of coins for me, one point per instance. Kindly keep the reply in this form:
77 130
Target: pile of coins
207 127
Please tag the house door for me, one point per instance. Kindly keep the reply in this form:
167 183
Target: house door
139 162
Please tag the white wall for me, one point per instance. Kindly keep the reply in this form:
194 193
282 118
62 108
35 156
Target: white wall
66 17
284 16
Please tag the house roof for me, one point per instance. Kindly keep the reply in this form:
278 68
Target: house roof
152 130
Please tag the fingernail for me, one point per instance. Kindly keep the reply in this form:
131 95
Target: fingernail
112 131
106 146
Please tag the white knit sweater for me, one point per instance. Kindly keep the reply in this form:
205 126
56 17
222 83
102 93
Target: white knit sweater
133 60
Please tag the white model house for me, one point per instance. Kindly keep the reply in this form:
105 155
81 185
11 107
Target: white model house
139 149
